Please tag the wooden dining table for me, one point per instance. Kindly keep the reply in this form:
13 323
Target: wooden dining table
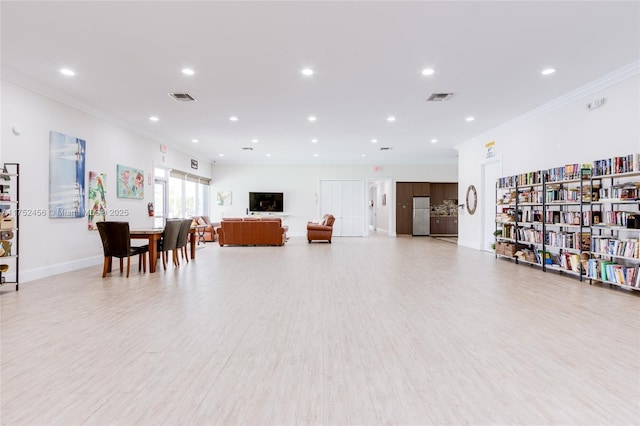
153 235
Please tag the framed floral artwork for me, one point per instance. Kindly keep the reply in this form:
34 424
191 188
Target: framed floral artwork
130 182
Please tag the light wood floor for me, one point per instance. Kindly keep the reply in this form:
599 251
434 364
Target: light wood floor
362 331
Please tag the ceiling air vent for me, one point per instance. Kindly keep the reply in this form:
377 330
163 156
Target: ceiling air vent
439 97
385 148
247 148
182 97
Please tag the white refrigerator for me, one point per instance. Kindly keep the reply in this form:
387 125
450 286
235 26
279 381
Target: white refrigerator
421 216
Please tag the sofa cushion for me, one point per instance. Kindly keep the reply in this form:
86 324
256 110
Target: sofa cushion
201 221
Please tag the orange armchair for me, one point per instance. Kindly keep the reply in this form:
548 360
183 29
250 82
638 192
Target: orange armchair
321 231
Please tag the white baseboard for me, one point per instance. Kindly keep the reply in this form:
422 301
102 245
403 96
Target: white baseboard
48 271
297 234
471 244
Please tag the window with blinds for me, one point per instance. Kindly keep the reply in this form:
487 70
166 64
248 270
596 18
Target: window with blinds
188 194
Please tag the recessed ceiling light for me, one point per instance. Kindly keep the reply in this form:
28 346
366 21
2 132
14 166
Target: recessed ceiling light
363 155
312 118
434 140
154 118
68 72
268 155
220 155
233 118
374 140
548 71
187 71
307 71
391 119
427 71
194 140
470 118
254 140
315 155
314 140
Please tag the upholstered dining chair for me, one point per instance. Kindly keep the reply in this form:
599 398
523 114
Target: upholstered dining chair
321 231
183 239
116 242
169 241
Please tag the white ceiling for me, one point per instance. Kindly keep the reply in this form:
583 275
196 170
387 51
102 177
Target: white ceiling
367 56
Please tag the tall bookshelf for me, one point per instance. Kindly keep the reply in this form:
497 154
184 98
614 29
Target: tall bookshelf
10 224
615 246
579 220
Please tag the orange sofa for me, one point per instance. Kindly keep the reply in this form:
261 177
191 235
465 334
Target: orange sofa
252 231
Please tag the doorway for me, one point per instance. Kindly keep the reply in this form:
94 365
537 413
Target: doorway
378 206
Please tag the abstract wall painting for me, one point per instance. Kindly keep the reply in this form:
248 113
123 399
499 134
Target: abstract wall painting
66 176
223 198
130 182
97 199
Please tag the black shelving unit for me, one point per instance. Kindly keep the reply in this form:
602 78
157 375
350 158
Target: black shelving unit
10 226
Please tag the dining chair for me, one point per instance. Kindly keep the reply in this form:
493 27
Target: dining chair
116 242
169 241
183 238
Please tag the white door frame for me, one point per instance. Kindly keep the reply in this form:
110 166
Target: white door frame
488 202
391 226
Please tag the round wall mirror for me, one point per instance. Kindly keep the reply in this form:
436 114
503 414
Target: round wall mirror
472 199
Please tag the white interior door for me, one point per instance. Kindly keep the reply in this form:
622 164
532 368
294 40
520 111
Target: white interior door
344 199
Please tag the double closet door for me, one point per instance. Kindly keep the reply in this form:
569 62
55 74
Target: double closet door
344 199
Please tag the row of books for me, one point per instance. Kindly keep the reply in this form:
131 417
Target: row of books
523 179
568 261
530 216
568 217
571 240
530 196
530 235
615 218
615 165
623 191
606 270
567 195
507 231
568 172
614 247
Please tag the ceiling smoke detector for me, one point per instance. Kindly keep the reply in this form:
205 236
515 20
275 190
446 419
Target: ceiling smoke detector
385 148
439 97
182 97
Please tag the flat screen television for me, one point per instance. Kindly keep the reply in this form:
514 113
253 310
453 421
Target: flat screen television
266 202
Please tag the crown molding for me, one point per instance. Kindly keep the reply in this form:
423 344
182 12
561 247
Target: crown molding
10 75
607 80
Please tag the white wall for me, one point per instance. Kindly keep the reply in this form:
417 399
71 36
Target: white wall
568 134
49 246
300 185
